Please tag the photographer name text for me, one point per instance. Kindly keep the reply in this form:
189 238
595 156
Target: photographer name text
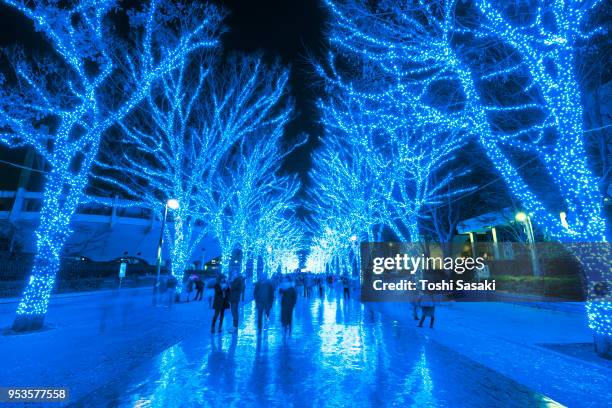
426 285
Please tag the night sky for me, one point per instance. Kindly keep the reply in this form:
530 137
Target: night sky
15 30
291 31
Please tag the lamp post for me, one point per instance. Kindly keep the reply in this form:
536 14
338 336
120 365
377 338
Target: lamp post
525 219
173 204
563 217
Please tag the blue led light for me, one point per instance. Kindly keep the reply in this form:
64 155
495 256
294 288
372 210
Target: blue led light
86 106
406 52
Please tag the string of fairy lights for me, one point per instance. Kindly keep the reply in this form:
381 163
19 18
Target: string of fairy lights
76 35
422 87
191 148
410 52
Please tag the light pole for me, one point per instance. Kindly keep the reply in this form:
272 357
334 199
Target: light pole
525 219
563 217
173 204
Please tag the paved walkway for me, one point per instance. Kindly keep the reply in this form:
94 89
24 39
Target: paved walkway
341 353
92 339
115 349
511 339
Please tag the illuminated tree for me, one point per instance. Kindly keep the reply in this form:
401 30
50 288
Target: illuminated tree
254 176
331 249
425 54
350 176
320 255
246 173
177 147
91 79
542 58
507 73
383 162
274 198
264 218
283 235
274 226
344 198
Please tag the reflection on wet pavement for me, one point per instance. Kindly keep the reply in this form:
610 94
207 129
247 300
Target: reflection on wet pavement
341 353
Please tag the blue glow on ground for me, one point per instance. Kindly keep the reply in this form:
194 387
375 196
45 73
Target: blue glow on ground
340 352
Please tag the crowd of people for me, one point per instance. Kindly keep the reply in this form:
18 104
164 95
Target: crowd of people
223 293
227 293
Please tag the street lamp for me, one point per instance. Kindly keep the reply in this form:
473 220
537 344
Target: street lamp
173 204
520 216
563 217
525 219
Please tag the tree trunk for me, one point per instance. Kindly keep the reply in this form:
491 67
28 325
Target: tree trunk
595 260
379 234
243 262
226 255
181 248
35 300
265 270
255 267
413 230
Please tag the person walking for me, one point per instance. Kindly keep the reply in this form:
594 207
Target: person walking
235 293
299 283
428 308
346 287
220 302
209 290
288 299
320 286
199 285
190 285
415 304
264 299
415 310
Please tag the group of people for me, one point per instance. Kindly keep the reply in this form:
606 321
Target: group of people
263 294
194 281
165 291
224 293
227 295
306 283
